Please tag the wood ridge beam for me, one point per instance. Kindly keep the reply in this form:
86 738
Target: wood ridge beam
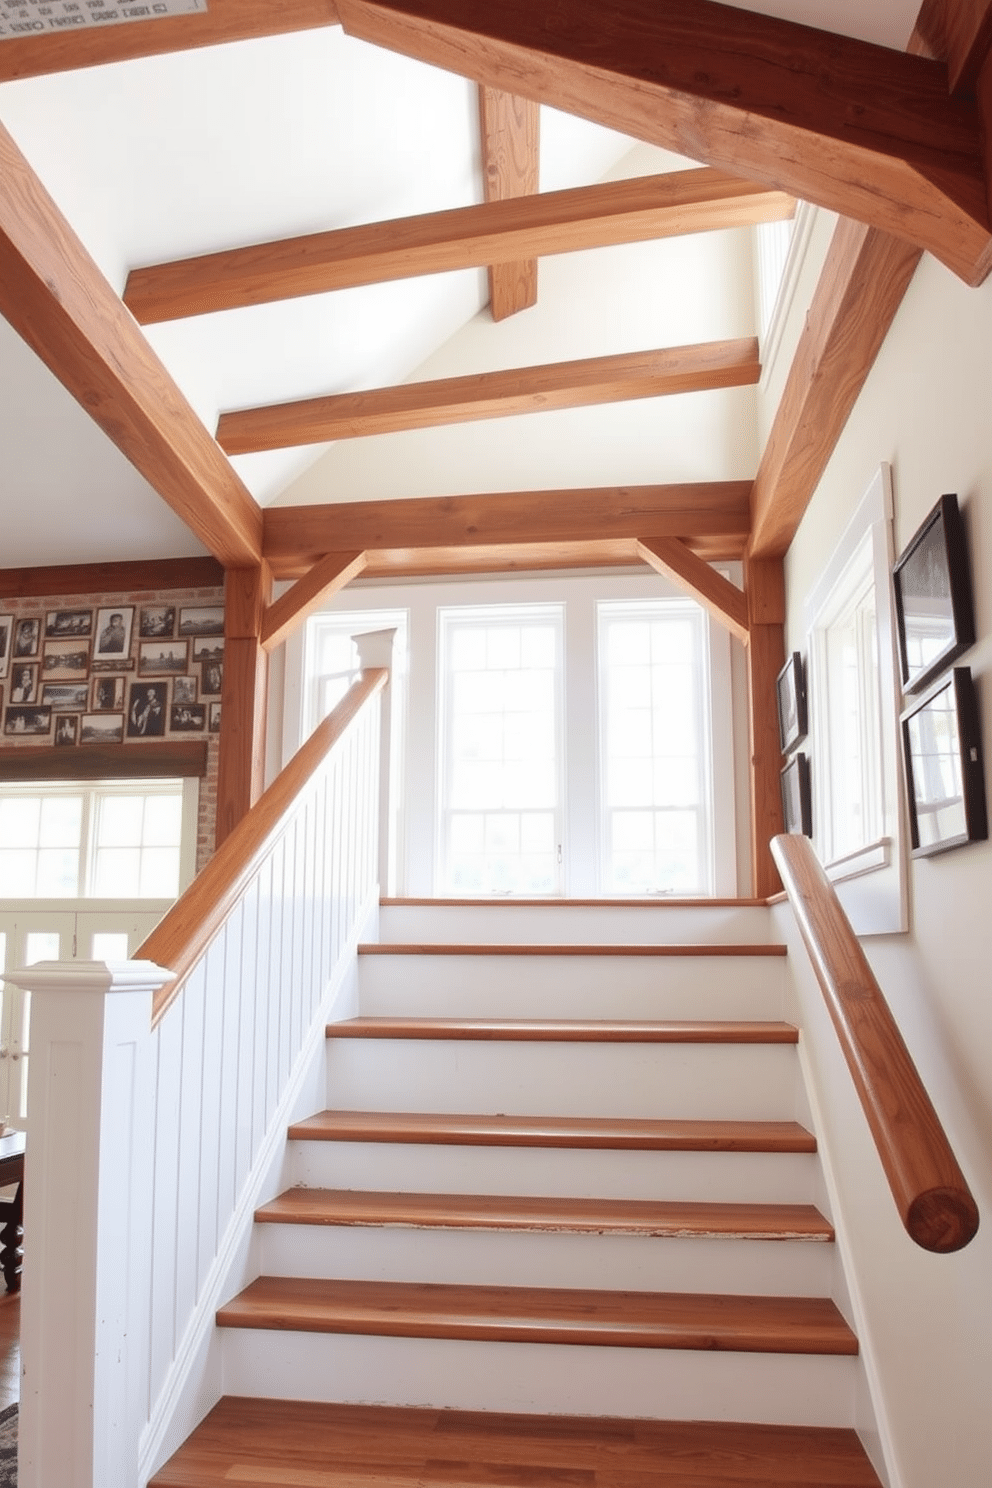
510 132
718 596
58 301
486 395
326 577
858 128
503 232
958 32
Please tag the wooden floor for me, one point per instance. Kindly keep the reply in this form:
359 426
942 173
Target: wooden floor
10 1348
274 1444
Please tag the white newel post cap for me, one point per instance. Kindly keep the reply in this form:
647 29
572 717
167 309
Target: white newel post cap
89 976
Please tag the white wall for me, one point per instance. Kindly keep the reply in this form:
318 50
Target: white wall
926 1320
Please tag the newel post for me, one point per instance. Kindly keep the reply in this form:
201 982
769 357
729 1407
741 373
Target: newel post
87 1222
376 649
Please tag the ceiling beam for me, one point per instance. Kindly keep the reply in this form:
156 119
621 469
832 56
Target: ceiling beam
56 298
309 592
717 595
115 577
499 233
511 157
958 32
224 20
487 395
711 518
864 130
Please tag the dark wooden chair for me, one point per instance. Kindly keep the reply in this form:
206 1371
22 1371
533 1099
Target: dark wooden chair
12 1210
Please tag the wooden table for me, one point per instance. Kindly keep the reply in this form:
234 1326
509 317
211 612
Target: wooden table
12 1210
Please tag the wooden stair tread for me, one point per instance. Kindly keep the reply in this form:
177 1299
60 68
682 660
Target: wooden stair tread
570 1030
630 1133
570 948
673 1320
275 1443
322 1206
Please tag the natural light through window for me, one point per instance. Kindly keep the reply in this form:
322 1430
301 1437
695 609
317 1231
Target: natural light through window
657 833
501 774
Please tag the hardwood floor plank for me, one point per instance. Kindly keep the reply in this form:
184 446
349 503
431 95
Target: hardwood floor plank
573 1030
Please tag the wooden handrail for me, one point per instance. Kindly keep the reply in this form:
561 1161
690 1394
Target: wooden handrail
930 1191
181 937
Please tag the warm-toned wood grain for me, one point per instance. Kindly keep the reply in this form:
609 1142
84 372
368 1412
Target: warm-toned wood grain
466 237
568 1031
510 130
627 948
244 697
674 1320
593 1132
308 593
596 1216
958 32
56 298
646 901
486 395
718 596
268 1442
159 759
864 130
187 929
934 1201
765 659
224 20
110 578
698 513
862 284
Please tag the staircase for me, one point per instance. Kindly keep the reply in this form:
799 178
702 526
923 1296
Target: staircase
560 1224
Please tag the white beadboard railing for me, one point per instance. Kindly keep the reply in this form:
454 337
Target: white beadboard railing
145 1171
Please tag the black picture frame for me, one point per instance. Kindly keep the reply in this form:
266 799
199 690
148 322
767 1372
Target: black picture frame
945 772
931 583
790 692
797 797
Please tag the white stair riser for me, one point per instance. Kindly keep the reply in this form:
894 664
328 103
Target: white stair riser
662 1384
572 986
624 1262
691 1081
727 1177
563 924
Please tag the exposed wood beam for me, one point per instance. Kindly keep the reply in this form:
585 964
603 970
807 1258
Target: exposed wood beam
154 759
718 596
55 297
958 32
711 517
864 279
502 232
224 20
764 587
487 395
510 131
110 578
864 130
309 592
244 698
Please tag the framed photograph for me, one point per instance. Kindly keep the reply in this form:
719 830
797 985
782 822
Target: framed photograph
157 620
101 728
67 729
214 717
184 690
797 799
790 687
207 648
113 636
931 583
65 661
6 640
108 694
27 637
117 664
64 624
27 721
24 682
146 710
945 776
66 697
188 718
162 658
213 678
201 620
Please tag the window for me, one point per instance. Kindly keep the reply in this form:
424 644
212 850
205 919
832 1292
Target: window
332 656
654 718
133 839
501 749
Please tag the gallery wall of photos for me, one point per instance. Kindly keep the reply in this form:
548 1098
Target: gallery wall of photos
111 669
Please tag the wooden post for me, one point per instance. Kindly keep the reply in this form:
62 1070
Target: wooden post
764 586
241 772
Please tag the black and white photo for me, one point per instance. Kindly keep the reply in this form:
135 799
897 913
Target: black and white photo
27 637
214 724
162 658
65 661
184 690
146 710
27 720
64 624
101 728
6 635
188 718
201 620
24 682
67 729
112 633
155 621
207 648
108 694
213 678
66 697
